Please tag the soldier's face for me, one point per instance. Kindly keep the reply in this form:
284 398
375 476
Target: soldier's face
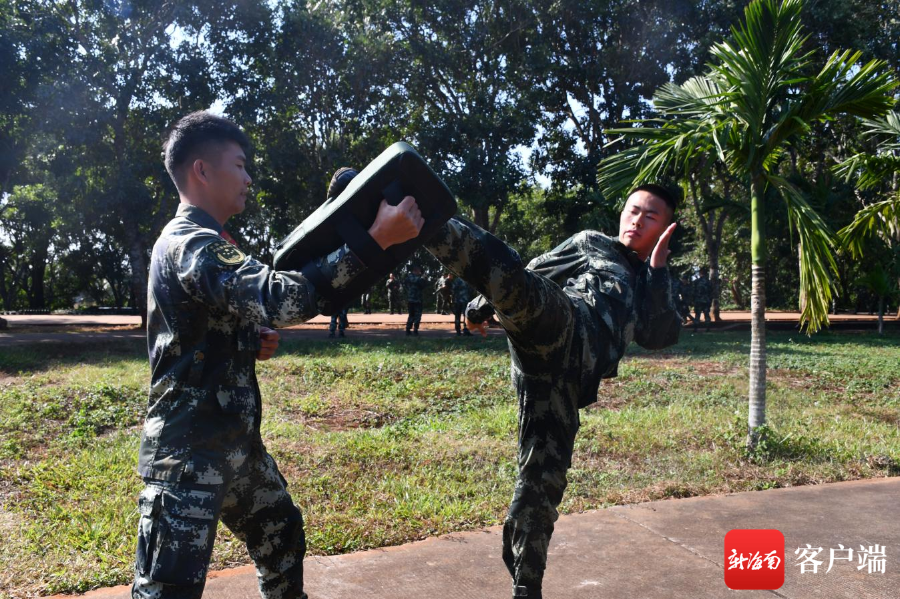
228 179
643 220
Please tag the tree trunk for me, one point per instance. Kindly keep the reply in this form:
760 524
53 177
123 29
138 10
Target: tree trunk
736 292
38 267
881 315
757 412
481 216
138 260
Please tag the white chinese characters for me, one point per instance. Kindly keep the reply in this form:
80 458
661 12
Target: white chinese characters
874 558
754 561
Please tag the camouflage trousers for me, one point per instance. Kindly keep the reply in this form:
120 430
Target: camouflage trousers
177 529
443 302
542 327
702 309
339 321
415 316
394 303
459 318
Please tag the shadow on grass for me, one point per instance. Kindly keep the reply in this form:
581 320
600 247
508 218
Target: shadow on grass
710 345
39 358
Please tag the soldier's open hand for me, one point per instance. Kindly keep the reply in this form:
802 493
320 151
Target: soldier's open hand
396 224
661 251
268 340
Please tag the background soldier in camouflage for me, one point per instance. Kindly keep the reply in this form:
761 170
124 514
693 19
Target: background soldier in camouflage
461 296
393 293
338 321
414 284
685 298
569 315
201 456
443 293
702 298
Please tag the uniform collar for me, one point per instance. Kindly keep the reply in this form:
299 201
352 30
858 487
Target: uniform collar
633 259
199 216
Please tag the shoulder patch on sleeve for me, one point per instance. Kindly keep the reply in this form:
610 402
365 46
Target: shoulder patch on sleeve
225 253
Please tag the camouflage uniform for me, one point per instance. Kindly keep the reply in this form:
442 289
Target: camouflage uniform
569 315
443 293
461 296
414 285
339 321
702 299
685 298
393 293
201 456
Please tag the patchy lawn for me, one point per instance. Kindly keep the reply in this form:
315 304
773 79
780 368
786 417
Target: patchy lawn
391 441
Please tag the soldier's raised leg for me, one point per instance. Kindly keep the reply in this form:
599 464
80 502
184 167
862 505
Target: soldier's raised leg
536 314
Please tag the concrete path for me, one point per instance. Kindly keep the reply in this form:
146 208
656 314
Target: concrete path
659 550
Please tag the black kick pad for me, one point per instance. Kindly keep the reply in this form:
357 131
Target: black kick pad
398 172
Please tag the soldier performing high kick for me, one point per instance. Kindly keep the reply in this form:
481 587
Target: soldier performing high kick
201 457
568 315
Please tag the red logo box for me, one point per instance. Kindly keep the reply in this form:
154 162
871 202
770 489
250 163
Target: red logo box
754 559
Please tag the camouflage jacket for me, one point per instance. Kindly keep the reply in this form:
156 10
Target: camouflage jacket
205 303
443 286
414 285
392 286
617 299
702 289
461 292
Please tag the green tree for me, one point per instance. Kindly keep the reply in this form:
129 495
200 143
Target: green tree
761 95
458 64
593 63
312 101
133 68
876 172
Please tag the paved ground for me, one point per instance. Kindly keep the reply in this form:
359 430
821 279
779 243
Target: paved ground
659 550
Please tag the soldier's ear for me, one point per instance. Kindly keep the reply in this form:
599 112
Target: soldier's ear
199 168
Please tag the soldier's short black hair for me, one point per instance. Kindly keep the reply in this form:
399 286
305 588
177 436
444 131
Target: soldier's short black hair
339 181
666 194
195 134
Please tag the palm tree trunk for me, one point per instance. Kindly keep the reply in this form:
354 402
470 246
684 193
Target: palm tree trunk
881 315
757 416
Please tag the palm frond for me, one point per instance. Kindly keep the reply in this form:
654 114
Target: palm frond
869 170
887 126
671 149
841 87
873 170
817 264
698 96
763 60
880 218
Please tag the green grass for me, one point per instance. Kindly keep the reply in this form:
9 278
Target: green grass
387 442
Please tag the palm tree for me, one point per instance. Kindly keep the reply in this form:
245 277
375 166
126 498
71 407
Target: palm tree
760 94
872 171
